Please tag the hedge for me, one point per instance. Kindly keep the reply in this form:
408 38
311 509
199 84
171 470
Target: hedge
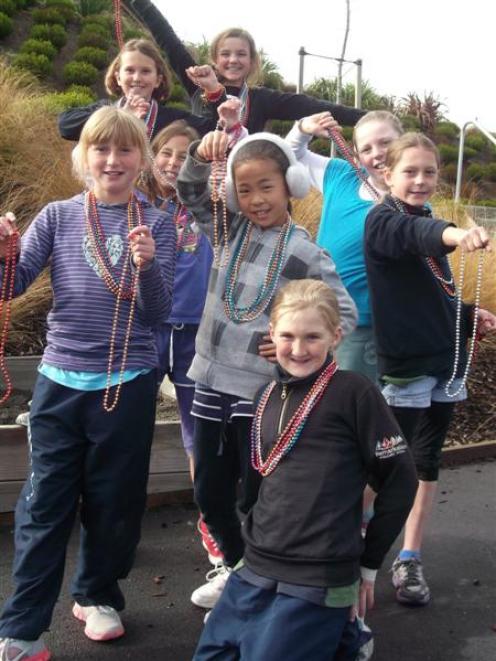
80 73
6 26
39 65
95 56
50 32
40 47
48 15
8 7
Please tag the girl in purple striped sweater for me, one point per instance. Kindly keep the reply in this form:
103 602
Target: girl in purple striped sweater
112 261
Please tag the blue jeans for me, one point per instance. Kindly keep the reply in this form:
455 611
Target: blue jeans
356 352
254 624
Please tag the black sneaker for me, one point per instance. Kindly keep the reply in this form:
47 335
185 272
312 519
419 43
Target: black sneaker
411 586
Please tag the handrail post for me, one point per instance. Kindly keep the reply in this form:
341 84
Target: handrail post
459 167
302 54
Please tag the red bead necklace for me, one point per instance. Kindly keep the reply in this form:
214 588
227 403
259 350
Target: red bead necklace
118 23
121 289
291 433
348 155
6 295
218 197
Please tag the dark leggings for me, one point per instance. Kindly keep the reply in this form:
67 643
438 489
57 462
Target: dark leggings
224 479
425 431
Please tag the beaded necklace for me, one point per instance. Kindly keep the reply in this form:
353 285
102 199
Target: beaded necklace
6 295
347 153
244 98
121 290
272 274
292 432
118 23
150 118
449 287
218 197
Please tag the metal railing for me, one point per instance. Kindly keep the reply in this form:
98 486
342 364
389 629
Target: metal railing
461 145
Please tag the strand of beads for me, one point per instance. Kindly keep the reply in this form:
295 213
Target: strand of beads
118 23
458 326
272 274
291 433
347 153
218 198
6 295
121 290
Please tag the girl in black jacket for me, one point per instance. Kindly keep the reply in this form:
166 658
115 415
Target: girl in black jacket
237 63
317 434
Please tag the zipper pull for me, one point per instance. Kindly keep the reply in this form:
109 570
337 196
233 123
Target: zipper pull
284 392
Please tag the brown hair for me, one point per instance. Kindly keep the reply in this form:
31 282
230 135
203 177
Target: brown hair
148 48
300 295
378 116
149 184
239 33
108 124
407 141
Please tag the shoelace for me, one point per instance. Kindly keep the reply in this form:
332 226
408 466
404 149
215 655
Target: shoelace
410 572
217 571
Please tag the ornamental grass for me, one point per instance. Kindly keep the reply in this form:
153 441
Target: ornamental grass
34 170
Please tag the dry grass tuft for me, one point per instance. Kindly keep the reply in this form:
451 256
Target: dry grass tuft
307 212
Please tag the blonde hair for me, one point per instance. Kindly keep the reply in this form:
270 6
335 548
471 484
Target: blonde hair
108 125
300 295
239 33
407 141
149 185
148 48
378 116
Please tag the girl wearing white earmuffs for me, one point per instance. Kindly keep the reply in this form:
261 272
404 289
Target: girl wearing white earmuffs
264 250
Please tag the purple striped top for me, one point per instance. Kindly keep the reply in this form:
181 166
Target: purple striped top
80 321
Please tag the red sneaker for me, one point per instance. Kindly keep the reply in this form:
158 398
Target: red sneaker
215 555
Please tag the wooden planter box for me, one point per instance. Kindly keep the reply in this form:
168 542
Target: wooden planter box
23 371
169 472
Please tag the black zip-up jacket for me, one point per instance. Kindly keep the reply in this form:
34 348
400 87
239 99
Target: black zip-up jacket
413 316
264 103
71 121
305 526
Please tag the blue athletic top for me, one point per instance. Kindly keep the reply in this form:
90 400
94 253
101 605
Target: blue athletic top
341 231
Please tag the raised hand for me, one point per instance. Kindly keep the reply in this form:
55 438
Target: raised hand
229 112
213 146
138 105
142 245
319 124
203 76
7 229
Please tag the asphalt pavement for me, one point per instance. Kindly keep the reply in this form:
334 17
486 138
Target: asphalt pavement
162 625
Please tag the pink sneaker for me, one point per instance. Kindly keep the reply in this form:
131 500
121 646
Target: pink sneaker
102 622
13 649
215 555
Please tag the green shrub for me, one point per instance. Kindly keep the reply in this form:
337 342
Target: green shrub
486 203
104 20
69 4
93 40
6 26
475 172
95 56
448 173
179 106
320 146
97 28
60 101
40 65
80 73
468 152
48 15
177 93
348 133
475 141
491 171
8 7
280 126
448 153
41 47
20 4
447 130
82 89
87 7
54 33
410 123
134 33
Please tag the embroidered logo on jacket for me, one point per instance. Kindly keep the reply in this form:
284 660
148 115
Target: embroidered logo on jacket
390 447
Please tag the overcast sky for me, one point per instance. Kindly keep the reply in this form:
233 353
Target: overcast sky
428 45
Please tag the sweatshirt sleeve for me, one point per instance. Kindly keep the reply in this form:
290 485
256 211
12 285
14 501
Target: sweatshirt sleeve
71 121
156 283
36 248
323 268
315 163
283 105
393 234
392 470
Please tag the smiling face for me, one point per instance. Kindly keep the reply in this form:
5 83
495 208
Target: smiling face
233 60
137 75
170 157
114 169
372 140
303 341
413 179
262 192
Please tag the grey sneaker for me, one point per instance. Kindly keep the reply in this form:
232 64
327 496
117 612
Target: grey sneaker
411 586
13 649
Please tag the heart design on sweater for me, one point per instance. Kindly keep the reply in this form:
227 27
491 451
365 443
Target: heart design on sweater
114 246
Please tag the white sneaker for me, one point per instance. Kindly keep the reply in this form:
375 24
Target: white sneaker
13 649
208 595
102 622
